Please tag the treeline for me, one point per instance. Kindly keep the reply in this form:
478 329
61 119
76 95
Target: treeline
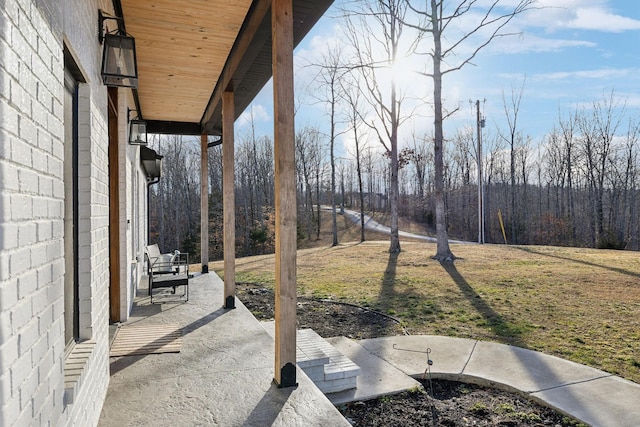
174 201
578 187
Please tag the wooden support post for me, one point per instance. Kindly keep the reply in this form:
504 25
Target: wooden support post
114 209
204 204
229 202
285 192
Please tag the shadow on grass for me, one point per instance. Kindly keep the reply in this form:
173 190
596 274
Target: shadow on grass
389 277
509 332
591 264
388 292
398 298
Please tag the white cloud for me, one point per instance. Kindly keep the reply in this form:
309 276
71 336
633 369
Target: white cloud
599 74
566 16
633 101
602 20
590 15
527 43
319 45
258 113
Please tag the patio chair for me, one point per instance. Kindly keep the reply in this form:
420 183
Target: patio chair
167 271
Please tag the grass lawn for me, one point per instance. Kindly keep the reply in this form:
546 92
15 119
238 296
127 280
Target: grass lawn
579 304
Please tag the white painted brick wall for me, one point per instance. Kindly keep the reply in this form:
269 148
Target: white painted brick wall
5 386
31 211
129 162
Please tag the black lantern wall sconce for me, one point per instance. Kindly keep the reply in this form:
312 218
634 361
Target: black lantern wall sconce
151 163
137 130
119 65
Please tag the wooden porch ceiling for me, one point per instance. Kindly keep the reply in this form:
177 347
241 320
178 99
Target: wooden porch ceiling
190 51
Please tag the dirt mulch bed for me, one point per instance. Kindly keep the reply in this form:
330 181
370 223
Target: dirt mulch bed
453 404
450 403
327 318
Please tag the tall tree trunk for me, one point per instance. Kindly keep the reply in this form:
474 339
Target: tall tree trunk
572 216
318 203
443 252
332 137
360 192
394 246
334 220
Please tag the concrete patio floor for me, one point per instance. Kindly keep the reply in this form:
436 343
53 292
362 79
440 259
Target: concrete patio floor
222 376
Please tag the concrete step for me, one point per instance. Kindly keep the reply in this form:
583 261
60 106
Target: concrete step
339 374
326 366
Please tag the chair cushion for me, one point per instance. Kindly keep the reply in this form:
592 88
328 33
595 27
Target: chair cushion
163 263
160 263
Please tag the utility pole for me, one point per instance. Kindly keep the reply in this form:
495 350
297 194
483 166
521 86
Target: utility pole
480 124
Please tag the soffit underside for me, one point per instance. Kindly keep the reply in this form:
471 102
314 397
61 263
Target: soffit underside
181 49
189 52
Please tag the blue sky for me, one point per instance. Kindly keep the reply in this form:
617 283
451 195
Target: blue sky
569 54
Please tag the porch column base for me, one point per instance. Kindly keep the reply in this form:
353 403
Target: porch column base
287 376
230 302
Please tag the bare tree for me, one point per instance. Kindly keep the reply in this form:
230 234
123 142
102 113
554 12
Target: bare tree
631 149
598 131
439 23
522 162
369 164
304 180
175 197
352 97
421 159
377 33
492 174
254 190
556 164
568 128
215 201
331 69
309 161
514 139
462 157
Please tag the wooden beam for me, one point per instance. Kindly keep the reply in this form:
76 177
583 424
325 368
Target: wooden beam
114 208
285 192
204 203
229 202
